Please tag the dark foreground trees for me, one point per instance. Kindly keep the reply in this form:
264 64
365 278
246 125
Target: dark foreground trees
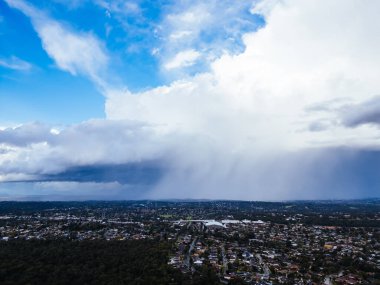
86 262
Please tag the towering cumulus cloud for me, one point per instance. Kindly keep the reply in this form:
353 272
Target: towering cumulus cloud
279 119
295 115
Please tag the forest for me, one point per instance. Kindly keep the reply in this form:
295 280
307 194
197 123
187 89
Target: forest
135 262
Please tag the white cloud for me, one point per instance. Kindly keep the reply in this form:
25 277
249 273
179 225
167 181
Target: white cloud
25 134
15 63
264 7
254 107
120 6
188 21
16 177
180 35
183 59
258 125
72 51
211 28
34 150
296 61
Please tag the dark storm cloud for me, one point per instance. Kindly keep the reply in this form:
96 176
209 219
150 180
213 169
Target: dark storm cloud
328 173
144 173
318 126
367 112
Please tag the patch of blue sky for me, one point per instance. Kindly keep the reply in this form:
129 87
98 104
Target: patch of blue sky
18 38
43 92
229 38
48 96
127 35
130 35
215 42
208 28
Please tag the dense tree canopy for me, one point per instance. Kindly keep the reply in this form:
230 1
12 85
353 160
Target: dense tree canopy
86 262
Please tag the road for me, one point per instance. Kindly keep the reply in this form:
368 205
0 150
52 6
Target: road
264 265
224 260
189 253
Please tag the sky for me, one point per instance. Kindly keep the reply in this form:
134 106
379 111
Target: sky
229 99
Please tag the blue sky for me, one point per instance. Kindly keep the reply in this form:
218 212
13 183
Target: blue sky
258 100
129 31
29 92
